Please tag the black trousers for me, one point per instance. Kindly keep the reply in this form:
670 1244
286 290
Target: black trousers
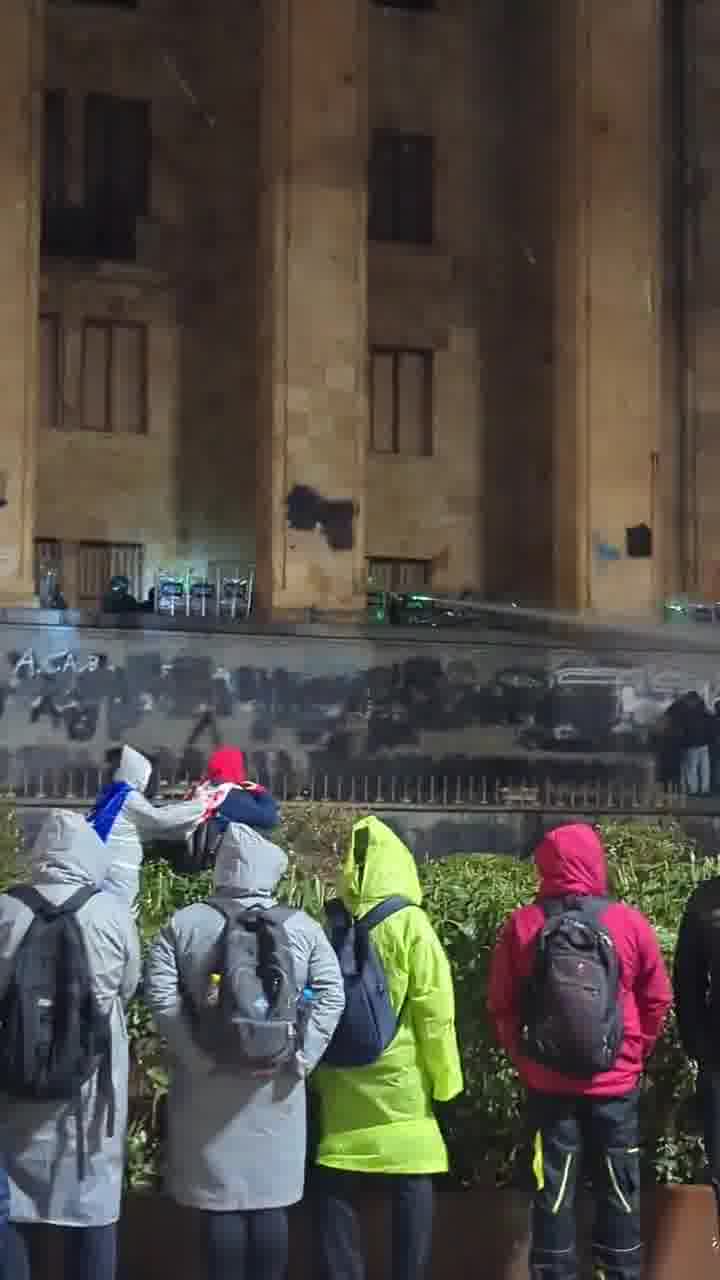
603 1133
89 1253
707 1095
337 1229
247 1246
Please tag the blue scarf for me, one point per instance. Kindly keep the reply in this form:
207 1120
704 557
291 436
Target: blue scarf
107 807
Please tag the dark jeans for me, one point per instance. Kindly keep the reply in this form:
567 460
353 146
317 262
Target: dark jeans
708 1102
604 1133
89 1253
247 1246
4 1216
337 1230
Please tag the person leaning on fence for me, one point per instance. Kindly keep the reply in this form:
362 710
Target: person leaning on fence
229 797
377 1129
578 994
247 995
123 817
69 962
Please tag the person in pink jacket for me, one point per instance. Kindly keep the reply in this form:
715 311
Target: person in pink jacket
578 995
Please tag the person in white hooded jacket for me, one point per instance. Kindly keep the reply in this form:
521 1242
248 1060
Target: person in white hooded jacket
124 818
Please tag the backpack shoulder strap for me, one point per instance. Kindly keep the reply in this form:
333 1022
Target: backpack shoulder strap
30 898
41 906
278 914
77 901
384 910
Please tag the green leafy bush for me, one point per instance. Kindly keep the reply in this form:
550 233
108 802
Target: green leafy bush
11 843
653 867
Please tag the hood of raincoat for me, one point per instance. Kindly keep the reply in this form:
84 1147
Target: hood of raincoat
378 866
68 851
134 769
571 860
247 864
227 765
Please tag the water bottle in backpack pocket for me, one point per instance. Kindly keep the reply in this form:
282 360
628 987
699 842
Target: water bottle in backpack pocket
368 1023
250 1017
572 1019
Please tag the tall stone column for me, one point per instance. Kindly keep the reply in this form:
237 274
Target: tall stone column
312 421
21 90
606 451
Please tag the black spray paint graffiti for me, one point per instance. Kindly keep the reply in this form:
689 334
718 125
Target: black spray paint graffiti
307 510
460 715
65 689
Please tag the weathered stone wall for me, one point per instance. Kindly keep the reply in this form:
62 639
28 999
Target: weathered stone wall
187 490
317 703
699 454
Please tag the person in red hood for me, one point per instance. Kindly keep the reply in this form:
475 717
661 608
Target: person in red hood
229 797
566 1111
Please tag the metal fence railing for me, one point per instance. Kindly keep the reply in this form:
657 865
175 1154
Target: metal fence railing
80 786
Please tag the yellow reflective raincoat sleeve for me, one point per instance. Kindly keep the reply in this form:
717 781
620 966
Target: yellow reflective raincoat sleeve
432 1009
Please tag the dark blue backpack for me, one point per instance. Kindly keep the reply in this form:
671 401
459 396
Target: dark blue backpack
368 1023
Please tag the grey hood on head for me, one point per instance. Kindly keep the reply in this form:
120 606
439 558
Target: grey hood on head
248 864
134 769
68 851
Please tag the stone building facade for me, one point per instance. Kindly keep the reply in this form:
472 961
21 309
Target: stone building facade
344 288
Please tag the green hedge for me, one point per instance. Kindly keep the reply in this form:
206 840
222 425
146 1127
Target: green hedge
467 899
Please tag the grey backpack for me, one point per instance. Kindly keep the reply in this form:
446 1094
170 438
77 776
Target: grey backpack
251 1016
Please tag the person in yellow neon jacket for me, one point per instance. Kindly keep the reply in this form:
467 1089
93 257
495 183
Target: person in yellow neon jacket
377 1121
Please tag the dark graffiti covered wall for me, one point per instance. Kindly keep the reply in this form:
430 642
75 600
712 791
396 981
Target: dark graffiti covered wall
311 704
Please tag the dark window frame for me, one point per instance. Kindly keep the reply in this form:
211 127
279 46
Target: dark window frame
401 188
109 326
117 171
54 318
410 6
100 4
427 355
397 562
54 192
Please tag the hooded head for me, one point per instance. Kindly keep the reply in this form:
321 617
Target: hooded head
247 864
378 866
227 765
571 860
68 851
134 769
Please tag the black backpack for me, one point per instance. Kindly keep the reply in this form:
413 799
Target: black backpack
53 1035
572 1020
204 844
368 1023
252 1013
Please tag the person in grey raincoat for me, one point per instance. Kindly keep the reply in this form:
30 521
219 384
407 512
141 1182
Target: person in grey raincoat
237 1142
38 1140
123 818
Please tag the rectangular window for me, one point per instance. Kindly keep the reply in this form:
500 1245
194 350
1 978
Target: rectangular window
401 401
398 575
50 380
48 567
98 562
114 377
53 169
401 187
117 171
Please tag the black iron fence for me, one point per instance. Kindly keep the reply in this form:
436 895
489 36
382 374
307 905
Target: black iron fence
80 786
